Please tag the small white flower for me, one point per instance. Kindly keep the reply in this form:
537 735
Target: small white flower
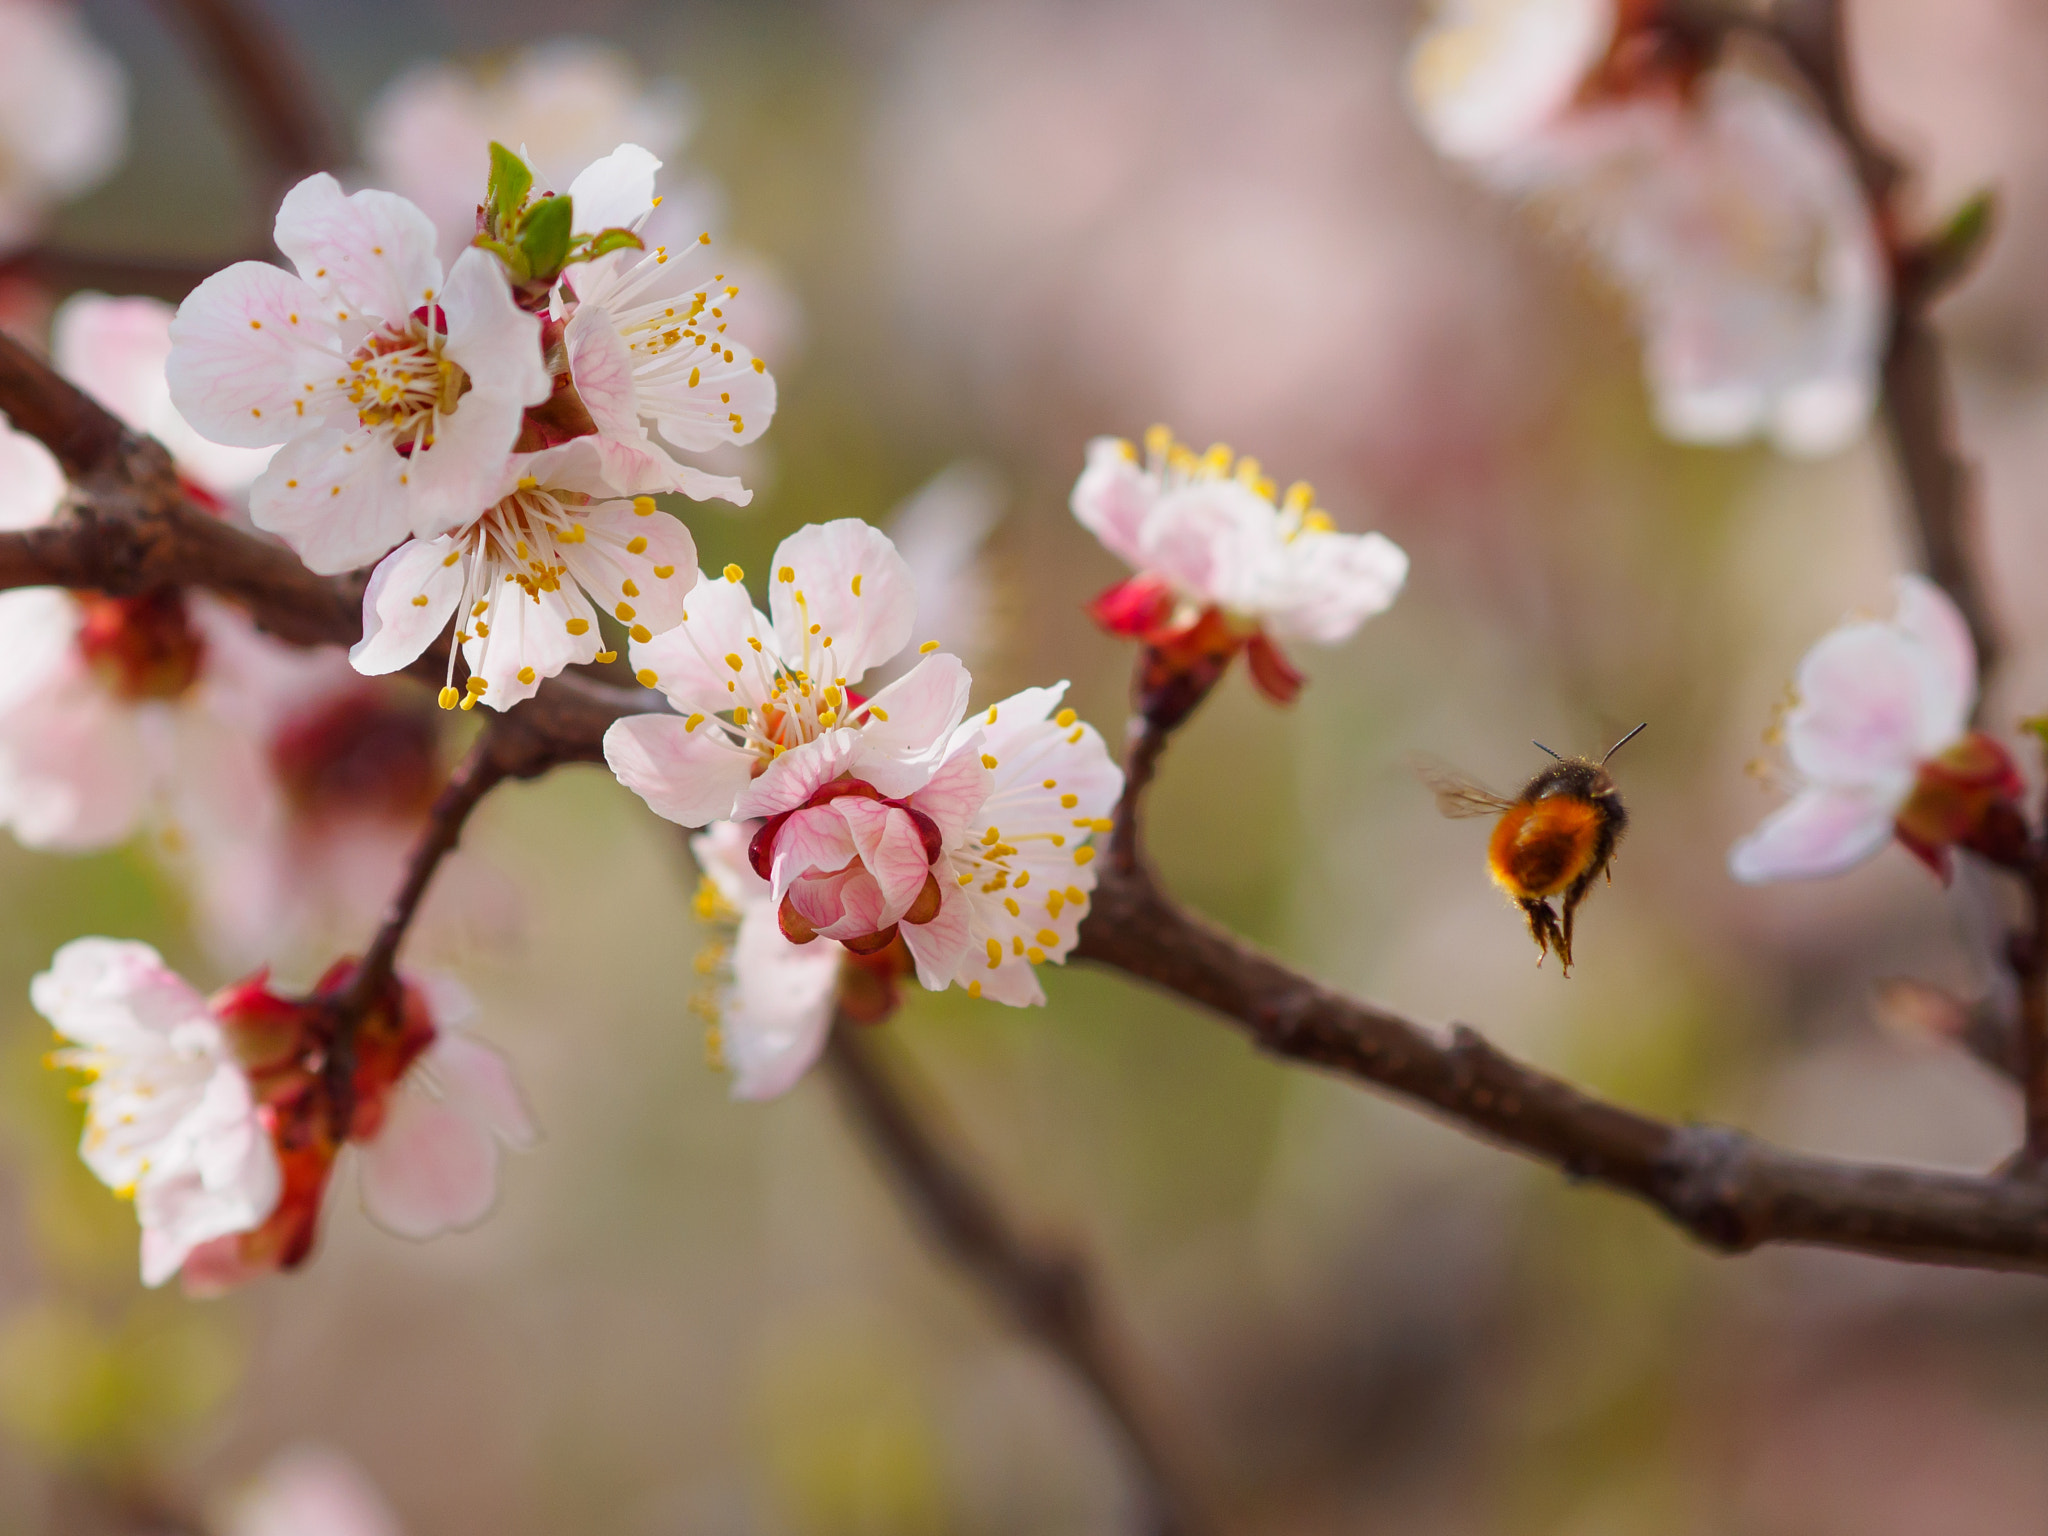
525 581
1486 74
63 113
396 397
116 350
649 337
1879 701
170 1115
775 1009
561 104
1735 223
1210 531
879 818
432 1166
311 1491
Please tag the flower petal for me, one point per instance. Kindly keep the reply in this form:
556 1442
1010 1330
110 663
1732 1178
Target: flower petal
338 498
429 1170
1859 712
477 1080
1820 831
1113 497
940 946
1322 586
614 191
1930 617
910 725
244 346
777 1013
662 570
693 660
846 578
368 252
31 484
397 624
692 778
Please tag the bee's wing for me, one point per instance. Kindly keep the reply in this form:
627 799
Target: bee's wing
1457 794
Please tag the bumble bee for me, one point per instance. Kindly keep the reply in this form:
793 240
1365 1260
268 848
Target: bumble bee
1553 839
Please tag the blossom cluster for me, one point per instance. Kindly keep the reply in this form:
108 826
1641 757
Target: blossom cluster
1716 199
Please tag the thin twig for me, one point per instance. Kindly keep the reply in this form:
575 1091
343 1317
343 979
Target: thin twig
1046 1290
482 771
259 74
1141 761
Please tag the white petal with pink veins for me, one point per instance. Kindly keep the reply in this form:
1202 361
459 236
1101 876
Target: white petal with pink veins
692 778
791 779
430 1169
817 840
606 562
1820 831
690 660
778 1011
940 946
245 345
909 725
495 341
846 578
339 498
397 626
529 641
953 796
1113 496
891 848
846 904
366 252
719 403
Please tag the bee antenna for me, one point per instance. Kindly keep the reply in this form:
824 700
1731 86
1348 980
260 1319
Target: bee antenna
1631 736
1542 748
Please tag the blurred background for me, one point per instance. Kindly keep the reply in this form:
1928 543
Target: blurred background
995 230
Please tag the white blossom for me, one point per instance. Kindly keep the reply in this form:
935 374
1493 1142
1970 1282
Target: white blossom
171 1118
396 397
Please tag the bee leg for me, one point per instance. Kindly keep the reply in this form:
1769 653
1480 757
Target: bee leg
1542 927
1572 898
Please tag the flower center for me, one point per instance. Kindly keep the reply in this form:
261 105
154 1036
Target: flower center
401 382
142 647
358 755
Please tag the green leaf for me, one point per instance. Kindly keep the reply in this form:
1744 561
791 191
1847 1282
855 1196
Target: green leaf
511 180
544 236
605 241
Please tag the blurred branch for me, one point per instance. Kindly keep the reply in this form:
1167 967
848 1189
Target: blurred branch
259 74
1917 403
1045 1289
72 271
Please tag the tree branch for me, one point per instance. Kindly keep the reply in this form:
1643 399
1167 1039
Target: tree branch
1045 1289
